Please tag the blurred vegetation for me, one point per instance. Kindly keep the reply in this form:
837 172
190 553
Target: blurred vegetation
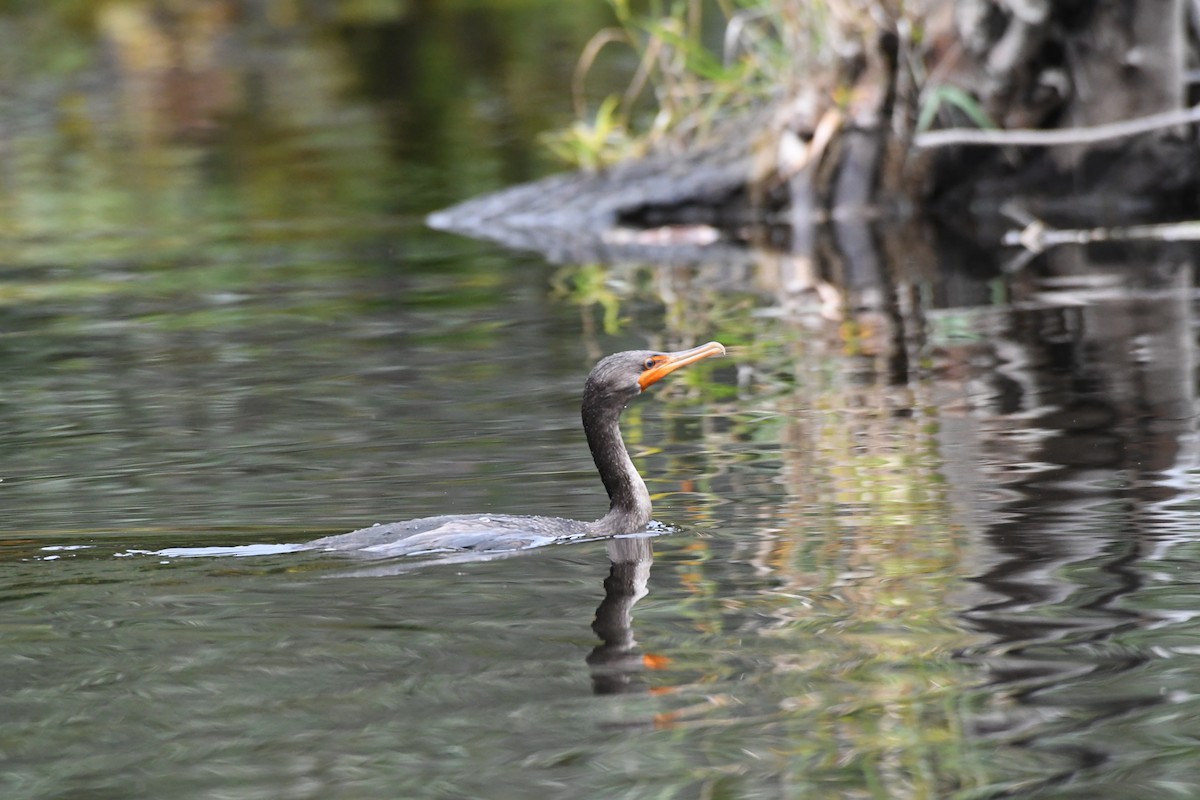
204 204
698 62
183 129
844 609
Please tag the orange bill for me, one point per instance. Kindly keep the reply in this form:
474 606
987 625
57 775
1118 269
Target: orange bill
663 364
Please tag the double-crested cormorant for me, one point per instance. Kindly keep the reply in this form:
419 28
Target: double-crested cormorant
612 383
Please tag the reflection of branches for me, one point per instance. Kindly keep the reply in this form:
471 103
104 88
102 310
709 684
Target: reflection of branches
1084 437
588 286
1037 236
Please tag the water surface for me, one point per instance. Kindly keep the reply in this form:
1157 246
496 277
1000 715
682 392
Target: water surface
940 549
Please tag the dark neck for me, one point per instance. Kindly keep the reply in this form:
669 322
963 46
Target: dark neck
629 502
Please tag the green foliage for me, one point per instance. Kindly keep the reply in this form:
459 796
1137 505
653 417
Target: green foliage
696 72
592 145
588 287
938 96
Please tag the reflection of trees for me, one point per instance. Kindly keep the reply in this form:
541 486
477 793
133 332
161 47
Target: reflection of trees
196 209
450 75
181 124
164 121
1040 445
833 559
1066 426
1088 420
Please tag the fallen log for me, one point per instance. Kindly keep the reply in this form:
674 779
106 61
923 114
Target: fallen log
778 178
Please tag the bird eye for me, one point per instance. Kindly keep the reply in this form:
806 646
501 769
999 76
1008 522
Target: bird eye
649 363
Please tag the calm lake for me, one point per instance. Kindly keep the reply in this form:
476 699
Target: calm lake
939 544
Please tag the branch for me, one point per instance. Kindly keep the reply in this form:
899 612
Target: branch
1037 138
1037 236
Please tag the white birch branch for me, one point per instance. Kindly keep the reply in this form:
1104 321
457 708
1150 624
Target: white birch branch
1038 138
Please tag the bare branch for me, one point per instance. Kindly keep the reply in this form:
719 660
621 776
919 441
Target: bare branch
1037 236
1037 138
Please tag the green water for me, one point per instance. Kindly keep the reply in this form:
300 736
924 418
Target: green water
944 552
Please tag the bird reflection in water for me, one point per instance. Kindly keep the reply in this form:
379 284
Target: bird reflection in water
617 661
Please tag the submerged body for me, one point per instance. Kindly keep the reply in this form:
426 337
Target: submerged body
454 533
613 382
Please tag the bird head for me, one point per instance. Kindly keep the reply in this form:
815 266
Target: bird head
628 374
